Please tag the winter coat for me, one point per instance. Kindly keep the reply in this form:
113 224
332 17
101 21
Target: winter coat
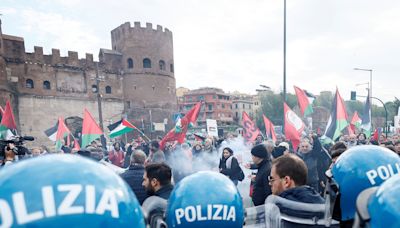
134 178
302 194
234 171
165 191
262 189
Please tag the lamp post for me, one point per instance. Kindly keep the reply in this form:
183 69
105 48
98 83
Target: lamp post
99 97
370 80
284 50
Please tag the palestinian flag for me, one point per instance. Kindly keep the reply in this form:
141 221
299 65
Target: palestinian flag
179 135
337 120
62 132
269 129
355 123
119 128
52 132
7 122
90 130
305 101
294 126
366 117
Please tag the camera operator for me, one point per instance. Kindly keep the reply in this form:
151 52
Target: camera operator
9 154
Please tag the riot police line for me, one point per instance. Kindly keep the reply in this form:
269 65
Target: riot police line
70 191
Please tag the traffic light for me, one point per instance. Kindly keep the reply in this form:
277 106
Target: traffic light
353 95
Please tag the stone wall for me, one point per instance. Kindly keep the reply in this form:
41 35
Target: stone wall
40 113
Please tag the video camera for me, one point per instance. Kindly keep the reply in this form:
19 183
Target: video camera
18 141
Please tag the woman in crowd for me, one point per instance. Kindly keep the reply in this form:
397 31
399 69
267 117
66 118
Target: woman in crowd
229 165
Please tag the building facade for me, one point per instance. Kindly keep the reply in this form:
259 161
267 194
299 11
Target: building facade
217 105
135 79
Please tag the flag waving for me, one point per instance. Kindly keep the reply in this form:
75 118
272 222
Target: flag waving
269 129
62 132
305 101
294 126
90 129
52 132
7 122
184 124
121 127
366 117
250 130
355 123
338 118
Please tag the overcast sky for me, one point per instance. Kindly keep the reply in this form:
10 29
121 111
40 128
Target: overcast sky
235 45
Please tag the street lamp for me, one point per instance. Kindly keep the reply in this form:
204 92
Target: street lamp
370 79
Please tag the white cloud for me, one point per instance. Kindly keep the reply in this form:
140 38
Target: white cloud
235 44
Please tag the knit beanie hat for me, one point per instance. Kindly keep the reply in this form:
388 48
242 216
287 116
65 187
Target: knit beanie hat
259 151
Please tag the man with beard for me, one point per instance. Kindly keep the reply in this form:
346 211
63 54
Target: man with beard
157 180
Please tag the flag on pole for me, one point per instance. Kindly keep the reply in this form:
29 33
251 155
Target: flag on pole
305 101
187 121
366 117
269 129
76 144
294 126
62 132
250 130
337 120
51 133
90 130
7 123
120 127
355 123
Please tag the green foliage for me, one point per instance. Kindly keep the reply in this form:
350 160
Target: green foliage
272 107
325 100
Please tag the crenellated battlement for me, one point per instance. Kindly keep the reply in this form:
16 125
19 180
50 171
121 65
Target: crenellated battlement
125 29
37 57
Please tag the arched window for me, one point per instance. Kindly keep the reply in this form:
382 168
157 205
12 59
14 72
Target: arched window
46 85
108 89
29 84
162 65
171 67
94 88
146 63
130 63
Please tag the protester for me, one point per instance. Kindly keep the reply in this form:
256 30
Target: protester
317 161
157 180
362 139
229 166
352 141
116 155
156 155
134 175
36 152
262 162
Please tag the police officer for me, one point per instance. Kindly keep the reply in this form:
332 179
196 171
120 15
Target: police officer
356 169
65 191
205 199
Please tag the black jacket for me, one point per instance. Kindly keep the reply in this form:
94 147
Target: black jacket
303 194
234 172
134 177
165 191
261 188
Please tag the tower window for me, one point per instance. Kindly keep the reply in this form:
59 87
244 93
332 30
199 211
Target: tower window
108 89
162 65
130 63
171 67
146 63
29 84
46 85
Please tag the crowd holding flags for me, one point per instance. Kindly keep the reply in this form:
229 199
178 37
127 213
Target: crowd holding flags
294 127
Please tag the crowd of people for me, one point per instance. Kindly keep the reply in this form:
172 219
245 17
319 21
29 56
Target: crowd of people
304 175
